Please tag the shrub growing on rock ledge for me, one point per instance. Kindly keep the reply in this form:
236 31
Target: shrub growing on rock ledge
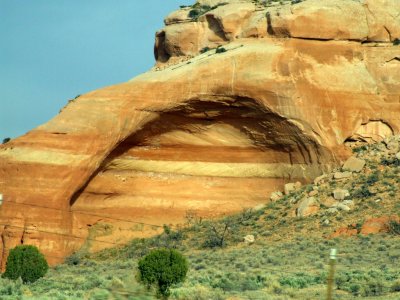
26 262
220 50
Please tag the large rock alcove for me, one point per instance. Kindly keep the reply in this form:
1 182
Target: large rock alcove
204 157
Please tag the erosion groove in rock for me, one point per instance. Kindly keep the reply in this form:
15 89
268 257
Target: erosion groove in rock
211 132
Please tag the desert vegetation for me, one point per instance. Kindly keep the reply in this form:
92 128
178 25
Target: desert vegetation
198 9
296 269
25 262
162 268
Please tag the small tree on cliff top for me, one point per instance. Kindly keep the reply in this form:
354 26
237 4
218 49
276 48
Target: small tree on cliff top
26 262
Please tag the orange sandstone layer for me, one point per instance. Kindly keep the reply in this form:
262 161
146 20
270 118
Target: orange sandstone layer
209 133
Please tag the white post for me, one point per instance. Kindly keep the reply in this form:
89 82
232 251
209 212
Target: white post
1 199
332 261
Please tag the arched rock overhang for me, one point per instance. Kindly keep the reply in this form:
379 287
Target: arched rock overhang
208 155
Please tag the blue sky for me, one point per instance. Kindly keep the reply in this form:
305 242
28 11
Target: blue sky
53 50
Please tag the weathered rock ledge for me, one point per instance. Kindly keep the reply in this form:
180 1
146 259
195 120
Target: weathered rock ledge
219 22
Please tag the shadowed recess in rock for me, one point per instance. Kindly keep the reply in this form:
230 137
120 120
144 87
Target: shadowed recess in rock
193 156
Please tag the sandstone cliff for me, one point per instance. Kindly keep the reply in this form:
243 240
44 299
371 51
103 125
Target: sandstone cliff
208 129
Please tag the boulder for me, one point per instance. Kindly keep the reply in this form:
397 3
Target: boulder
313 193
342 175
330 202
249 239
354 164
340 194
349 203
320 179
276 196
343 207
398 155
308 206
291 187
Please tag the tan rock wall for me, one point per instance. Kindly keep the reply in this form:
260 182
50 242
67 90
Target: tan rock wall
214 133
346 20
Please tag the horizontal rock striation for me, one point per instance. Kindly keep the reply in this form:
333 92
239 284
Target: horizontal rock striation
206 133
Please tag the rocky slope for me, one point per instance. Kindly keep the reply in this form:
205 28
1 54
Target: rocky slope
245 97
359 197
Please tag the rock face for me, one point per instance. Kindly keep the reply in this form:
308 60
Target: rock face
208 133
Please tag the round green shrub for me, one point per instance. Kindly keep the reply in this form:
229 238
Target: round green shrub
163 268
26 262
